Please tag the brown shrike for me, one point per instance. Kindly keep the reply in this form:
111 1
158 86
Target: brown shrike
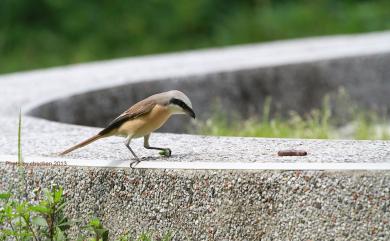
142 119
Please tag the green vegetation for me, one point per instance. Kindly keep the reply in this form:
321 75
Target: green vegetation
46 220
43 33
25 221
317 124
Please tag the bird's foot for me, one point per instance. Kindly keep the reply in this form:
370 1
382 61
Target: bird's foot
166 152
134 163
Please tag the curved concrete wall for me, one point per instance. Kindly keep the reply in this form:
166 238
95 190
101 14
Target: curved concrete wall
212 188
297 86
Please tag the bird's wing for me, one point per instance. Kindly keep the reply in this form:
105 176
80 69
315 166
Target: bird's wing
141 108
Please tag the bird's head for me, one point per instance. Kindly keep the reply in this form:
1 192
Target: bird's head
179 103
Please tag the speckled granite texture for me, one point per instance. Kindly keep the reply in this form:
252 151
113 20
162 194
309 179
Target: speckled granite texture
225 205
38 140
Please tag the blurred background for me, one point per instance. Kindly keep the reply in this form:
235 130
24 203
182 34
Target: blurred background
44 33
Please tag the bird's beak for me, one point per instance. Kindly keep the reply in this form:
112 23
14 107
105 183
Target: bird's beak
190 112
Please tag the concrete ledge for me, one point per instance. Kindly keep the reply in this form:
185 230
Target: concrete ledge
241 189
225 205
38 140
32 162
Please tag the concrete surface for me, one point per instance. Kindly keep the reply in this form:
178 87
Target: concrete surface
220 204
38 140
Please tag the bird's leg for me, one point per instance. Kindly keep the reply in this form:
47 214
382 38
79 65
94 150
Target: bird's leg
164 151
137 160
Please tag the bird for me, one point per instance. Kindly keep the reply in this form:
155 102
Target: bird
143 118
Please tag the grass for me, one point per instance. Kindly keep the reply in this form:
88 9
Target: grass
43 33
20 160
317 124
23 220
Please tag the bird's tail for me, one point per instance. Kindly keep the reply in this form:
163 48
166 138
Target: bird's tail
81 144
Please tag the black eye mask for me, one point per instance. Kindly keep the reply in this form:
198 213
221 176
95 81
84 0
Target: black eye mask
183 105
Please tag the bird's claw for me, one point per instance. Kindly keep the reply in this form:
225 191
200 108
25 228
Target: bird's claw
135 162
166 152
